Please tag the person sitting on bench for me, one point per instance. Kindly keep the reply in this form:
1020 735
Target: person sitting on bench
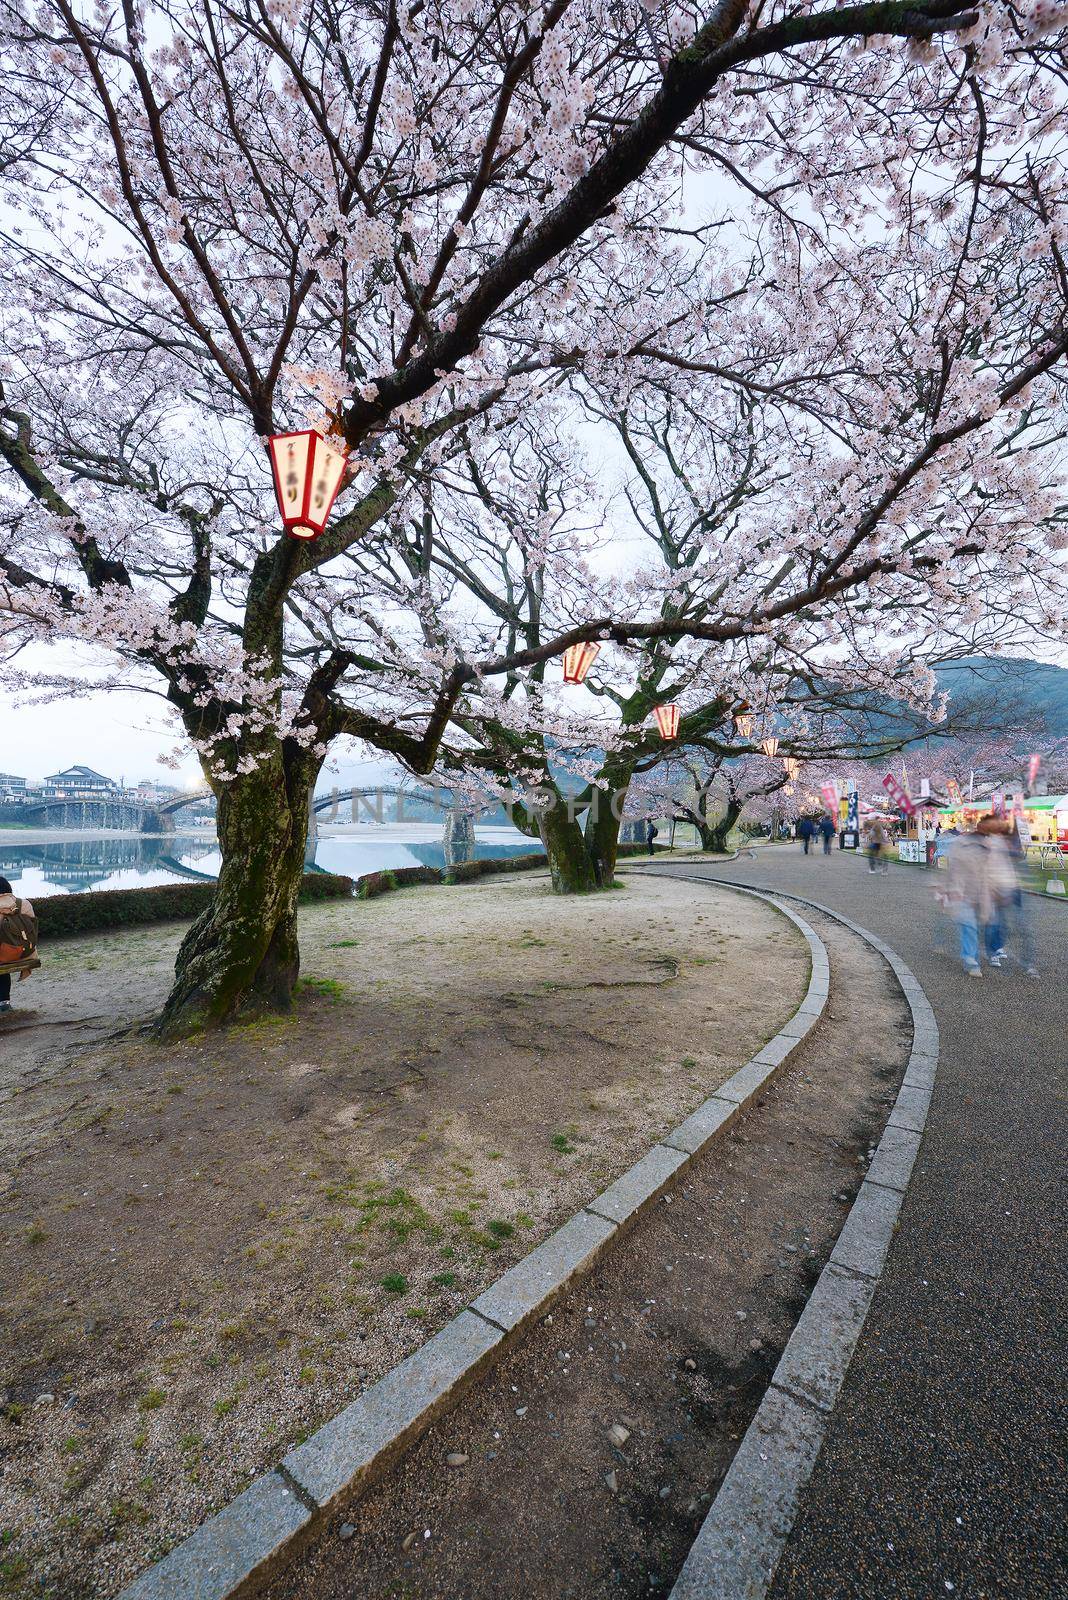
18 938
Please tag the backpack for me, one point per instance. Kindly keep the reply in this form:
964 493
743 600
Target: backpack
18 934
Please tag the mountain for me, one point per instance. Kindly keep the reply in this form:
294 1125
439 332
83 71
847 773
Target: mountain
1018 692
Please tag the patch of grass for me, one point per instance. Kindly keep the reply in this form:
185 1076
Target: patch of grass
72 1445
36 1234
417 1314
140 1439
175 1088
13 1412
223 1408
524 1220
562 1144
13 1571
500 1230
151 1400
443 1280
343 944
689 1063
395 1283
327 988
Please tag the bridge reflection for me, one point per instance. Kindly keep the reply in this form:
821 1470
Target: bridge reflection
80 864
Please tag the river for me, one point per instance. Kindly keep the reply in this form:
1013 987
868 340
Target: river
40 862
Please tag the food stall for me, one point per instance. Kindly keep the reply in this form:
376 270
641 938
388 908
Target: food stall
1046 817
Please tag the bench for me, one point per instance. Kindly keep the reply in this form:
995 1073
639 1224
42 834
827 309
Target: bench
27 964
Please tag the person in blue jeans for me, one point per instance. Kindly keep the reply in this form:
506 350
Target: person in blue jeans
968 892
1010 916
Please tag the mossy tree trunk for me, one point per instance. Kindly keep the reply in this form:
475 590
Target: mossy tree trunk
560 832
242 954
714 834
603 822
570 866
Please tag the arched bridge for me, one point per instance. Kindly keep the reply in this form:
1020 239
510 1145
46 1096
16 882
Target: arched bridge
120 809
369 805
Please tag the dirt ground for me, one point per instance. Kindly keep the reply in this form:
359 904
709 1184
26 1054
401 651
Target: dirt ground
206 1249
672 1338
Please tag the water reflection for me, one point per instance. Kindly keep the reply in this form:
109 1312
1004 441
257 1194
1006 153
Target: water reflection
138 861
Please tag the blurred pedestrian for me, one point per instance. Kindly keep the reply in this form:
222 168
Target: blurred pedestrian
1006 908
878 839
651 831
968 896
1019 907
805 831
828 830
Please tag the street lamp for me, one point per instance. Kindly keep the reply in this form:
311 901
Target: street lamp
578 659
667 720
307 474
769 747
791 767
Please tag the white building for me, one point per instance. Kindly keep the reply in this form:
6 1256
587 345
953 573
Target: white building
79 783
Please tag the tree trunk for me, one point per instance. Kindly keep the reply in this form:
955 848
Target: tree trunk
714 834
570 865
242 952
603 822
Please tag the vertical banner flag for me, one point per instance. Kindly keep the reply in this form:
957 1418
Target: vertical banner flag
853 814
901 797
953 790
1023 828
1032 770
830 797
997 803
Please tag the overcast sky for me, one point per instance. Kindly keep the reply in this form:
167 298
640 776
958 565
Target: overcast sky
125 735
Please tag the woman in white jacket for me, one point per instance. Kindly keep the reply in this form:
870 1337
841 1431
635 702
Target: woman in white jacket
1000 884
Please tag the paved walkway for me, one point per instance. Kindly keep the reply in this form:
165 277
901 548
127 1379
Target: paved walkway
944 1471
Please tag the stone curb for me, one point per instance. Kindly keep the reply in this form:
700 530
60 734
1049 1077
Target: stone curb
238 1549
741 1540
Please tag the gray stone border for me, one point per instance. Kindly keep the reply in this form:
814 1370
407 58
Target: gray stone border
237 1550
742 1538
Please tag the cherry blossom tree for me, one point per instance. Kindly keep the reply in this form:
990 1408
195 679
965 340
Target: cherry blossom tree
422 226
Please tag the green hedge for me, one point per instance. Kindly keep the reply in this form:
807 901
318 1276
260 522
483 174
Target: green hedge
127 908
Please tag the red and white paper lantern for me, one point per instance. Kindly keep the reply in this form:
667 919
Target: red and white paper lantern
307 471
578 659
667 720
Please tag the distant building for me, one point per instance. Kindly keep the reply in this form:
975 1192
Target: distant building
149 791
10 785
79 783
